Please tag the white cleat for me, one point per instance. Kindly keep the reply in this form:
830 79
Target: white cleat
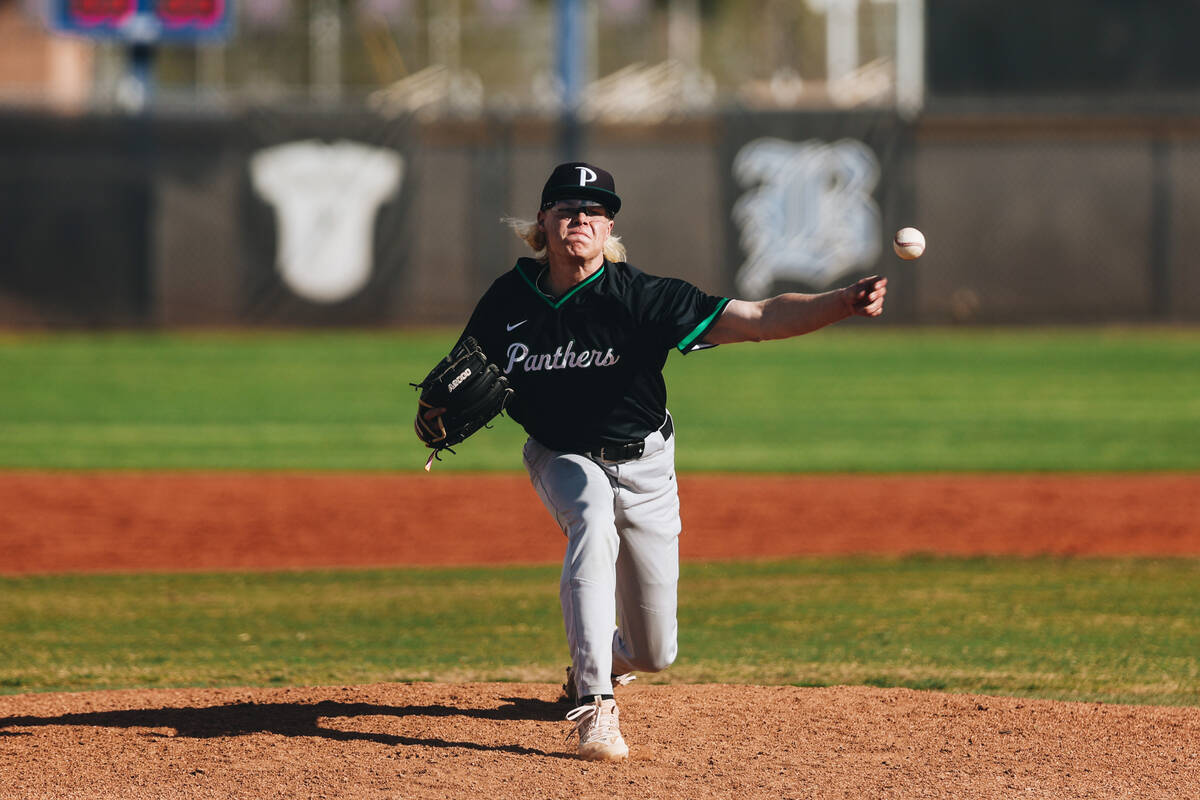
599 731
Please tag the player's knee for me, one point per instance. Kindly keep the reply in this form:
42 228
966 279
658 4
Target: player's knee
659 664
656 659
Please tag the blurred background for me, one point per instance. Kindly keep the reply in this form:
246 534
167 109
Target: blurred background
173 163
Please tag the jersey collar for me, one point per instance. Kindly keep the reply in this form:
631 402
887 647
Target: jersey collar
525 265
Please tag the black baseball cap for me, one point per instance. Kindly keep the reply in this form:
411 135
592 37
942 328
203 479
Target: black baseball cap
577 180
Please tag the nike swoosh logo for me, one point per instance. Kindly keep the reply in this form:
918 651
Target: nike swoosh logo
516 325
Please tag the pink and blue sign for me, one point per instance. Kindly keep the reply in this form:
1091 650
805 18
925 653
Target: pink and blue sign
146 21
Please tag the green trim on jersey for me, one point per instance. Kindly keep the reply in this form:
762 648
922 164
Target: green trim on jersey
687 341
567 296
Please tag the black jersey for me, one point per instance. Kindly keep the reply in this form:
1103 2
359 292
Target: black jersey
587 367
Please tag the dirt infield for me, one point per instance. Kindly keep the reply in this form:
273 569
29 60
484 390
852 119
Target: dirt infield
73 522
506 741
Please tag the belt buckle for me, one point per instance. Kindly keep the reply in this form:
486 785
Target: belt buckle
622 452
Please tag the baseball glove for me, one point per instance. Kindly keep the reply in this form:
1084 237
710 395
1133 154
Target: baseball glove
462 394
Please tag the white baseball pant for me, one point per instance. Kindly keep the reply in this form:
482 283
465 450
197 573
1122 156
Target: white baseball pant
621 522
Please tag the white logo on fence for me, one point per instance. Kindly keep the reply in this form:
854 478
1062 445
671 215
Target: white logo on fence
808 214
325 198
586 176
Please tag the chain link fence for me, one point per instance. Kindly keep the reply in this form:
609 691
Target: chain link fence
644 59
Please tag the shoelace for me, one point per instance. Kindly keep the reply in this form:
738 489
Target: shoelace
604 723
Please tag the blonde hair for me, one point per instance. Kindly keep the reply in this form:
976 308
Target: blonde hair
529 232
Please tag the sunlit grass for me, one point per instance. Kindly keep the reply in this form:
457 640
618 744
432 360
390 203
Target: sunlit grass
1110 630
853 399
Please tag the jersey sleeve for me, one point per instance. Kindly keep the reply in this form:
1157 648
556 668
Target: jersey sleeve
680 313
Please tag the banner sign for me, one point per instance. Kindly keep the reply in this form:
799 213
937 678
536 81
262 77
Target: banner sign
145 21
812 198
325 232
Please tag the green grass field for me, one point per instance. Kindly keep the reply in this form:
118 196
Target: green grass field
1114 631
858 399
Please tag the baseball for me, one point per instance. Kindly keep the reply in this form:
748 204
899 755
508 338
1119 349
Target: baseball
909 243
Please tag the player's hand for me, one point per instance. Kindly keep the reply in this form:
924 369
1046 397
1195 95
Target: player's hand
865 296
428 427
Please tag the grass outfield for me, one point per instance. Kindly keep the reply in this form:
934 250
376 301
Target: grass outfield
851 399
844 399
1093 629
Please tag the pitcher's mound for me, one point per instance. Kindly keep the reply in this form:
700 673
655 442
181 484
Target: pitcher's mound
502 741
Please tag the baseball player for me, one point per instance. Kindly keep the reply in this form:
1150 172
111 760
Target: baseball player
582 337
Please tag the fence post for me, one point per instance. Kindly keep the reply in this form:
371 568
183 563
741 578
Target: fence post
1160 226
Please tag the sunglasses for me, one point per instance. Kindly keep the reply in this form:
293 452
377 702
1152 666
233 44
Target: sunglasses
569 208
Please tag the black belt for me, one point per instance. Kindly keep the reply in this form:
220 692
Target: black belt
629 450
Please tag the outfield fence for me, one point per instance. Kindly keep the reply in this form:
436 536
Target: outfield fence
270 217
